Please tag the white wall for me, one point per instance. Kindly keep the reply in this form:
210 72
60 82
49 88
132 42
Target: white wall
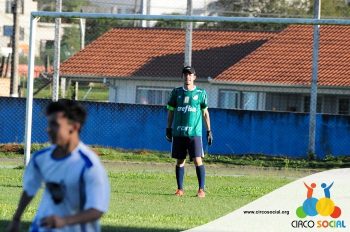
46 31
124 91
24 21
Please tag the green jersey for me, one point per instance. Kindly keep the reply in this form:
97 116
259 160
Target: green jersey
187 106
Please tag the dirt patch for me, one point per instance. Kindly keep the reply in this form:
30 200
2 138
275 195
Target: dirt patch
11 148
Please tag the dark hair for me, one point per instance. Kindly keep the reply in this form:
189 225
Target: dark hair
71 109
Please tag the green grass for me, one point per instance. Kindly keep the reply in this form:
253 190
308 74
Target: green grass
99 92
262 161
142 193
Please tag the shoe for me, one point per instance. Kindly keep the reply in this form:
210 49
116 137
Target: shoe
179 192
200 193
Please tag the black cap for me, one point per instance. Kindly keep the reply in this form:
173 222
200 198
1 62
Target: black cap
188 69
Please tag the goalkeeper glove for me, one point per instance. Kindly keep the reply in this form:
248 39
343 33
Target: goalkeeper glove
169 134
209 137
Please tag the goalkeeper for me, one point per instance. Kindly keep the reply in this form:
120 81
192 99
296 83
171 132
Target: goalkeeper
186 107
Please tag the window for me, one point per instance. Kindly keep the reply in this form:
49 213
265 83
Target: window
8 9
9 29
228 99
249 100
152 95
307 104
343 106
9 3
284 102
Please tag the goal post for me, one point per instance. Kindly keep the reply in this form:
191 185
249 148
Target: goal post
35 17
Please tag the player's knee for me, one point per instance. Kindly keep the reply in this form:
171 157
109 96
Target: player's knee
180 162
198 161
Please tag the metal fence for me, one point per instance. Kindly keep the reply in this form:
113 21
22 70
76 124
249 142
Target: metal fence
244 64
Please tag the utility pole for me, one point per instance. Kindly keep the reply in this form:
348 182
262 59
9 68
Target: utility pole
188 42
82 23
313 98
15 57
148 12
57 54
146 8
135 12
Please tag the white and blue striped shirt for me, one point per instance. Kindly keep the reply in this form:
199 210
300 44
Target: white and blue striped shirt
79 182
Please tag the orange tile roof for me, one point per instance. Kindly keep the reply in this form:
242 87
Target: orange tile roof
282 58
150 52
286 59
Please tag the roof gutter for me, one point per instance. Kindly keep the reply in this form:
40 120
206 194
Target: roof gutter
266 84
91 78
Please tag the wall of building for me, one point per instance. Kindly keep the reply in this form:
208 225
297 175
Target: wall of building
4 86
125 91
24 21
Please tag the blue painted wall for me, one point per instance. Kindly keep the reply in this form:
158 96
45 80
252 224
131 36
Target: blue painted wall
143 127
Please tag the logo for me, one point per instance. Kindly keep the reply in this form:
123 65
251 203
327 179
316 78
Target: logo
323 206
186 109
184 128
186 99
195 97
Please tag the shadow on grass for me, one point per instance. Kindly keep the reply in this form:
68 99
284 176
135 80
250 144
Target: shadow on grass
105 228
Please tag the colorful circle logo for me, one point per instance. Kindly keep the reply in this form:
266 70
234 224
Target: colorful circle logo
323 206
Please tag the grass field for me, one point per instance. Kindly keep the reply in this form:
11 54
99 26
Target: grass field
98 91
142 187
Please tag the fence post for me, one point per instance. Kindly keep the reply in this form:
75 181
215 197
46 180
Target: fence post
188 42
313 97
57 55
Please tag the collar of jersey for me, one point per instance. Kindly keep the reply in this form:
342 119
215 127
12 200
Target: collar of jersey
67 156
195 87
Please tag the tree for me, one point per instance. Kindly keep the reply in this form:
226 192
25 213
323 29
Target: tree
170 24
67 5
96 27
70 43
333 9
272 8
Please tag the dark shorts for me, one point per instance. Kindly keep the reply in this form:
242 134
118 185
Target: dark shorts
181 146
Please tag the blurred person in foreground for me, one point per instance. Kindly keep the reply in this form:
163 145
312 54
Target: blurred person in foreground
76 187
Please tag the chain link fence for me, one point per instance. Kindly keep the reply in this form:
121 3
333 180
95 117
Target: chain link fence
257 77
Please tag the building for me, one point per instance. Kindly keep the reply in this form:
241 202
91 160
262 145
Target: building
146 63
239 69
6 23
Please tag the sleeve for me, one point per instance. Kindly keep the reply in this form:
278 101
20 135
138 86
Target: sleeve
204 102
97 188
172 101
32 179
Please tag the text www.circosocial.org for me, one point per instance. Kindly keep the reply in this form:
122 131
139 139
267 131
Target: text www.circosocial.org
285 212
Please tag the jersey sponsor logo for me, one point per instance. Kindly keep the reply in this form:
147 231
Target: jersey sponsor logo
186 99
57 191
186 109
184 128
195 97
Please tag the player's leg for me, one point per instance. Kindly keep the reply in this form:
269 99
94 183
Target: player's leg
180 173
179 153
196 152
